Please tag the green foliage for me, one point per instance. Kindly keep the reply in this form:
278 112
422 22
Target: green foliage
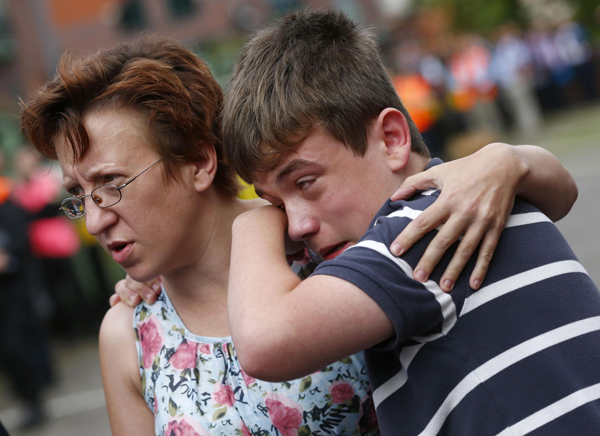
484 16
481 16
588 14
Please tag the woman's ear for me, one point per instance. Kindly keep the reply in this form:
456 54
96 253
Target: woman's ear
396 137
206 169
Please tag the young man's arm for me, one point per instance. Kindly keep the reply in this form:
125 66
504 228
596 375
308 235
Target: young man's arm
478 192
127 410
279 334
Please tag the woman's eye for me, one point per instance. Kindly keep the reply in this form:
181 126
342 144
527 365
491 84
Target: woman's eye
75 192
109 178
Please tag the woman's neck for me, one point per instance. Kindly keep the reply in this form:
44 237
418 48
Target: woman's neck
199 290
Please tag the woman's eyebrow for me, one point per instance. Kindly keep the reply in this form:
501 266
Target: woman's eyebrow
69 183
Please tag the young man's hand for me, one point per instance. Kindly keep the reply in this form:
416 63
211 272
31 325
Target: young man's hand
132 293
270 220
477 197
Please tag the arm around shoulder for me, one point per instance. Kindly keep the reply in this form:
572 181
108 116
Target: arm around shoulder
546 183
127 409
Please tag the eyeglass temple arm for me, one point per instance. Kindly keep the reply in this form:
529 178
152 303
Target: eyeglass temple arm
127 183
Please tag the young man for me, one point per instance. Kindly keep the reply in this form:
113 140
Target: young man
313 121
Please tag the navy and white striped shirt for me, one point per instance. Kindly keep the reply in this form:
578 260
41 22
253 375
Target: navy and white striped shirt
520 356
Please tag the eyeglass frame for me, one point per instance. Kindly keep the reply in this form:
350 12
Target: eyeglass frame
83 197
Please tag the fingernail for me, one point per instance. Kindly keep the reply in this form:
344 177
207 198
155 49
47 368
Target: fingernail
148 296
449 284
420 275
156 287
397 250
476 283
131 299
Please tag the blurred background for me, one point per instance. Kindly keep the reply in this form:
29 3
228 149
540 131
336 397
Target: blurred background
469 71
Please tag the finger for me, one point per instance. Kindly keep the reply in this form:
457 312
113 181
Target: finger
427 220
114 299
130 299
126 294
403 192
414 183
444 239
148 291
151 296
462 255
486 252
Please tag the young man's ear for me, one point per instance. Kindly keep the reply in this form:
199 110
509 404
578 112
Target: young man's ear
206 169
395 134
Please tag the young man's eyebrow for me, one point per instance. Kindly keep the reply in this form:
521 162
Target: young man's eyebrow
292 166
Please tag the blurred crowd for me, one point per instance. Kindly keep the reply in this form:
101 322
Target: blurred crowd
465 90
39 290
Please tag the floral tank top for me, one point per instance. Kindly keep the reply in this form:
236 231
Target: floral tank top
195 387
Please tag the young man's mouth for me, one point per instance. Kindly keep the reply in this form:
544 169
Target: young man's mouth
334 251
120 251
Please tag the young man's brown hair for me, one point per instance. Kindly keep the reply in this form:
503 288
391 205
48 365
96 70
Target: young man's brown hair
312 68
156 76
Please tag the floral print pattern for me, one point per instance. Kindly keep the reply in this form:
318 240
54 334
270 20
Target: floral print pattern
195 387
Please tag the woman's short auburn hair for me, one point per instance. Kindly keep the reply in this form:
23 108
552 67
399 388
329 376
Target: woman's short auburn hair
163 80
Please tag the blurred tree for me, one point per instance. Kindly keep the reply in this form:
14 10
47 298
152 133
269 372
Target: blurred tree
7 42
480 16
182 8
587 13
133 15
484 16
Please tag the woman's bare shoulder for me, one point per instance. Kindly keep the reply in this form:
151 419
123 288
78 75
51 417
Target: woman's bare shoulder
116 331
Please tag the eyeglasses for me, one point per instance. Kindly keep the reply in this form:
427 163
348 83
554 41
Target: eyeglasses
104 196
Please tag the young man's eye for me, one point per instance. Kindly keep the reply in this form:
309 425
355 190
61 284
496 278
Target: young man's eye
304 184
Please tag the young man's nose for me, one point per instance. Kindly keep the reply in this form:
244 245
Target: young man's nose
98 219
301 226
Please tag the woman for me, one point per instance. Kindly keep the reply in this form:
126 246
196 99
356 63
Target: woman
149 111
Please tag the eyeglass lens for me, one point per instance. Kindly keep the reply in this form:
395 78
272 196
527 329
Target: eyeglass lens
103 196
106 195
73 207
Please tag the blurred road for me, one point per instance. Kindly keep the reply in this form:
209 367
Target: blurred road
75 403
574 138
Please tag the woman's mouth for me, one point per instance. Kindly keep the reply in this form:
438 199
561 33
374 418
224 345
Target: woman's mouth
120 251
